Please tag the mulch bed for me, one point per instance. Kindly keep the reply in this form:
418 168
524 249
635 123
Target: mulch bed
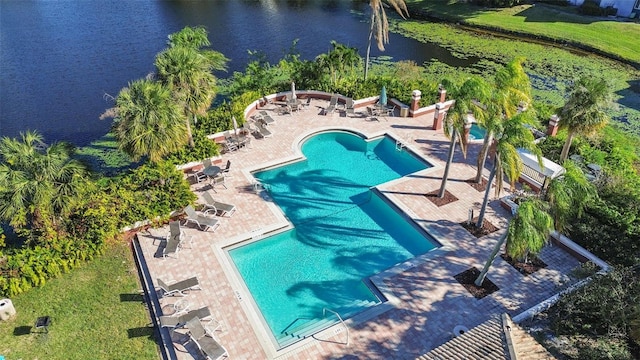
467 279
486 229
527 268
482 186
447 199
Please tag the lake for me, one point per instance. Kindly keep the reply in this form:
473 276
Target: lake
61 61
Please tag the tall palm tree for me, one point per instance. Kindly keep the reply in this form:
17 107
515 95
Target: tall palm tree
527 233
584 112
187 74
38 183
148 122
187 69
512 91
512 135
196 39
568 195
380 25
457 116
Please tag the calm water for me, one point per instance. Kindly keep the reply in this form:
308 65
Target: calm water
58 59
343 232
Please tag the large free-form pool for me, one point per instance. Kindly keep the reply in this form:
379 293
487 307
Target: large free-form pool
343 232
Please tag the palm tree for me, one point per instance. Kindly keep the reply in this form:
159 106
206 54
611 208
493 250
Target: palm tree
148 122
512 92
380 25
527 233
187 74
338 60
457 116
513 134
196 39
584 112
38 183
187 69
568 195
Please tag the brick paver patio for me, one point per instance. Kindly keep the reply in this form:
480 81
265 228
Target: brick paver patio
425 301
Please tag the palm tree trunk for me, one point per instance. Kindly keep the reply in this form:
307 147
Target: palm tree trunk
191 143
452 148
483 155
566 147
483 209
366 61
492 257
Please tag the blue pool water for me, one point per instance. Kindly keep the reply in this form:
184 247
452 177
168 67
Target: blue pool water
476 132
343 232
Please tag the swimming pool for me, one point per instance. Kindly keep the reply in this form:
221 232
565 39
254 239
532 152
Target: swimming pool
343 232
476 132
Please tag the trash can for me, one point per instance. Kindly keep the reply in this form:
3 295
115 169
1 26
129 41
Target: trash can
404 111
6 309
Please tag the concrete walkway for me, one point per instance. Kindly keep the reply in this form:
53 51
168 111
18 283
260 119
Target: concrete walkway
427 301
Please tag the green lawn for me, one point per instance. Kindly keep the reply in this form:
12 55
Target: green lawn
96 313
562 23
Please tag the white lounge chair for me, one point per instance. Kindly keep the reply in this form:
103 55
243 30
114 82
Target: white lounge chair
203 222
217 207
332 105
262 129
204 340
175 322
178 288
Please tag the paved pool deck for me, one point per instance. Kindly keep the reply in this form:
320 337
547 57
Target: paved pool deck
426 302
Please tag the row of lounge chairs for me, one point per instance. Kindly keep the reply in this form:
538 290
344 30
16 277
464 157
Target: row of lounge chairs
349 106
201 335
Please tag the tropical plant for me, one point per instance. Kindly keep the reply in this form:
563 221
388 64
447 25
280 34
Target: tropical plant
584 112
527 233
38 183
187 70
510 136
380 25
148 122
568 195
458 116
341 59
512 92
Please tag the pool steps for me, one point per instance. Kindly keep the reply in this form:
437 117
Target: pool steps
293 334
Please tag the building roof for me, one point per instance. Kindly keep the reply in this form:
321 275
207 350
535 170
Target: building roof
550 170
495 339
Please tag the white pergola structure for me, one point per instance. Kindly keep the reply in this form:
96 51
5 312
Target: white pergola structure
535 176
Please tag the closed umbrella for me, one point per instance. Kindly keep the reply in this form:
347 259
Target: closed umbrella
383 96
235 126
293 90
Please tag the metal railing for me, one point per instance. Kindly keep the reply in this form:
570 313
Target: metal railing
324 314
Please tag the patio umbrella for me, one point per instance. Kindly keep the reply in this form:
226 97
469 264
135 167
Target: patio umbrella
235 126
383 96
293 90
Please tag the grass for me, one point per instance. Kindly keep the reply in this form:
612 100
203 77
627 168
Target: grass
550 69
96 313
615 38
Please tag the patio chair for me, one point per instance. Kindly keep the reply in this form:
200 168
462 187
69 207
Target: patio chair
227 168
203 222
307 104
371 115
178 288
267 119
218 180
230 146
332 105
175 322
200 175
217 207
349 107
204 340
174 240
262 129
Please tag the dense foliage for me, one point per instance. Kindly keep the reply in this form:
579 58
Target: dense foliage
106 207
601 315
